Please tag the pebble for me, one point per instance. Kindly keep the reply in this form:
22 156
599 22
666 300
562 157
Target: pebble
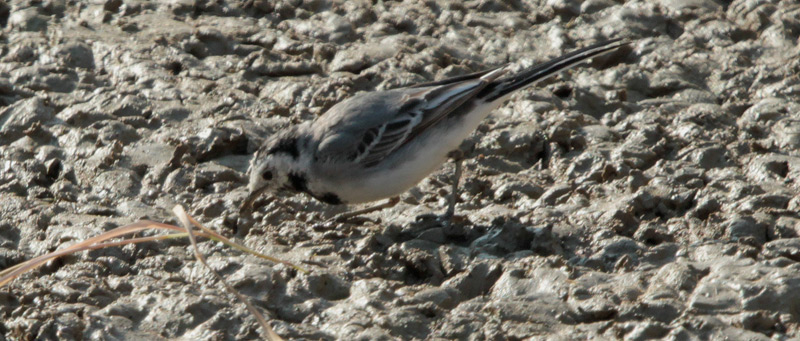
646 194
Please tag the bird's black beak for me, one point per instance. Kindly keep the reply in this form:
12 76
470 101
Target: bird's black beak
247 205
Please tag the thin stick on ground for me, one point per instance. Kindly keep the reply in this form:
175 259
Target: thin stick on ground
101 241
187 223
98 242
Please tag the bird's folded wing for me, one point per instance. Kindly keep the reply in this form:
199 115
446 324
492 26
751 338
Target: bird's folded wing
415 110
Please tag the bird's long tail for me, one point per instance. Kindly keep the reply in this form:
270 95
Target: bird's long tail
502 87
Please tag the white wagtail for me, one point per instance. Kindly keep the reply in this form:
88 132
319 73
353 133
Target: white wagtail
379 144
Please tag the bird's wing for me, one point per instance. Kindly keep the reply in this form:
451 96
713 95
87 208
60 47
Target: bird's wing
369 127
381 129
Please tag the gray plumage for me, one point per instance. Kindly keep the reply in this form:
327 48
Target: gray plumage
377 145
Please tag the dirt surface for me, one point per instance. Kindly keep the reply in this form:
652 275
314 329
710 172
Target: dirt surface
650 193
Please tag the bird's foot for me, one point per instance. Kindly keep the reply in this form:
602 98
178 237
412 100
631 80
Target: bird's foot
443 220
357 215
331 223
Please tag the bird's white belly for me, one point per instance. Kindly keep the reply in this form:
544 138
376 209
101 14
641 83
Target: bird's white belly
415 162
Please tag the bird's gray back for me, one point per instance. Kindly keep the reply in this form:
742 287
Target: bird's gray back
341 129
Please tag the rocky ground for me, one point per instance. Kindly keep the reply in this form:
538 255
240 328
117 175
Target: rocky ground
650 193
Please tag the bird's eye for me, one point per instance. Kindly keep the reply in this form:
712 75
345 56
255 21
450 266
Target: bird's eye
267 175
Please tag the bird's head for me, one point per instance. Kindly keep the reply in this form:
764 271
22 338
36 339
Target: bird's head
274 166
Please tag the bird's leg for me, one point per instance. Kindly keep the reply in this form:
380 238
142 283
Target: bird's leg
342 217
457 156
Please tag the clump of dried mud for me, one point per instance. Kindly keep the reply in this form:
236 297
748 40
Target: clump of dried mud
651 193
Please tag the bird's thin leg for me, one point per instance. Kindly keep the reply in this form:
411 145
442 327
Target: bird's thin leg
451 205
342 217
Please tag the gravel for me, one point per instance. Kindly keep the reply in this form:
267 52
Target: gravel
650 193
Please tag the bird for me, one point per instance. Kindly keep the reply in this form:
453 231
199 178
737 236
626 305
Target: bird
377 145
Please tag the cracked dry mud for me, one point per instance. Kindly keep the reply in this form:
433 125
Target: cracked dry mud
651 193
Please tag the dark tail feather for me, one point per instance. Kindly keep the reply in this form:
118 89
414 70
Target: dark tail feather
508 85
